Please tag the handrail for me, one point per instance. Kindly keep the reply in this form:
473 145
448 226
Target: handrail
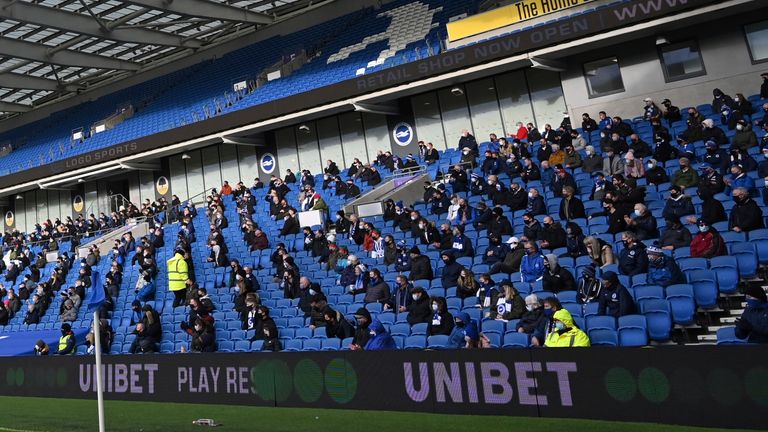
405 172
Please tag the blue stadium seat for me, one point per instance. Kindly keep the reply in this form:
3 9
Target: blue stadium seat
515 340
437 341
419 329
597 322
312 344
632 337
726 271
493 326
682 303
704 288
658 315
415 342
727 336
330 344
603 337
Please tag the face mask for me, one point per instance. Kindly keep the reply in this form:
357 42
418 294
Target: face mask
703 229
548 313
530 195
739 127
650 166
589 153
559 326
413 218
198 328
434 307
465 152
312 292
529 308
415 297
421 226
637 213
459 323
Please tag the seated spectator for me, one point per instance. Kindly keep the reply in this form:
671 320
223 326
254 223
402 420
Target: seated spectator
336 326
710 181
632 260
145 287
615 299
675 235
509 306
677 205
533 318
486 293
589 287
68 312
633 167
419 309
707 243
462 245
466 284
612 163
686 176
565 333
442 320
401 294
420 265
662 269
451 270
713 133
739 179
571 207
553 235
362 331
655 174
556 278
532 264
536 205
592 163
752 324
380 338
66 342
745 137
499 224
572 157
203 336
746 215
574 241
267 331
512 258
465 333
148 332
531 227
642 223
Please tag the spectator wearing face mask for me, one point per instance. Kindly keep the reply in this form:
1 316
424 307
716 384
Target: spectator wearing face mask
677 205
556 278
380 338
532 264
500 224
565 333
442 321
533 318
592 162
615 300
612 163
531 227
712 132
419 310
745 137
746 215
739 179
362 332
536 205
465 333
462 245
710 181
509 305
662 269
762 166
512 258
675 235
642 223
632 259
336 326
553 235
451 270
686 176
707 243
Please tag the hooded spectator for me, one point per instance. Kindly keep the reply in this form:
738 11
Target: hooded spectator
615 299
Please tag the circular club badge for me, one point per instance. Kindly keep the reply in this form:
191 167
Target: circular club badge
402 134
9 219
78 203
162 185
267 163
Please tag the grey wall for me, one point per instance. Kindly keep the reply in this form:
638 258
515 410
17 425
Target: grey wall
724 53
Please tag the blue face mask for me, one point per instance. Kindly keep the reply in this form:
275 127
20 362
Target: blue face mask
559 326
548 313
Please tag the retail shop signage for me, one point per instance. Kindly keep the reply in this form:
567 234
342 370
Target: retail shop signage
507 15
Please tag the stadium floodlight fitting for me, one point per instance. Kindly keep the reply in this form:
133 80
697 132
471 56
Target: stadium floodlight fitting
456 91
19 197
185 156
661 40
304 128
81 180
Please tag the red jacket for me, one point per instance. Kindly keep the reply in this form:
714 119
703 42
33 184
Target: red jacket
707 244
522 133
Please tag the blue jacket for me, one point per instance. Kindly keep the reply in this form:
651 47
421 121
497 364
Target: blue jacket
744 181
381 339
665 272
674 209
456 338
532 268
633 261
616 303
147 292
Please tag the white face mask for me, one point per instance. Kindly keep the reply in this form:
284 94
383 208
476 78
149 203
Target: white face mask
739 127
466 152
413 218
637 213
650 166
415 297
434 307
589 153
530 195
529 308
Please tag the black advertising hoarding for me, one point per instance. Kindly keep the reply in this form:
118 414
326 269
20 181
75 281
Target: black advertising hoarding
599 21
724 386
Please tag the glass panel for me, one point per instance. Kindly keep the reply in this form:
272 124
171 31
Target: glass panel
287 158
429 126
352 138
178 177
195 176
329 139
547 97
484 106
309 155
757 38
455 116
514 100
681 61
229 169
376 135
211 170
603 77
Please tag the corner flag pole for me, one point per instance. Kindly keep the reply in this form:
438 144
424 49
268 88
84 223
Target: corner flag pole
99 378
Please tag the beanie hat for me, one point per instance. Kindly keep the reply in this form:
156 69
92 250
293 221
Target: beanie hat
756 291
589 271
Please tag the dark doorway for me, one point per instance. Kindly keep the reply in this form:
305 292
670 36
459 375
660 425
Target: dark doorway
118 192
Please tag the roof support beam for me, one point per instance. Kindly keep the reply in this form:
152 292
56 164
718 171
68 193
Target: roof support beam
14 107
19 81
206 9
32 51
68 21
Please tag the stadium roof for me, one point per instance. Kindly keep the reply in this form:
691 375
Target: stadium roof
49 48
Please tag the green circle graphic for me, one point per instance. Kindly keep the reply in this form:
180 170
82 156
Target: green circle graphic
61 378
10 377
756 383
340 380
308 380
19 378
725 386
620 384
688 386
654 385
271 380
